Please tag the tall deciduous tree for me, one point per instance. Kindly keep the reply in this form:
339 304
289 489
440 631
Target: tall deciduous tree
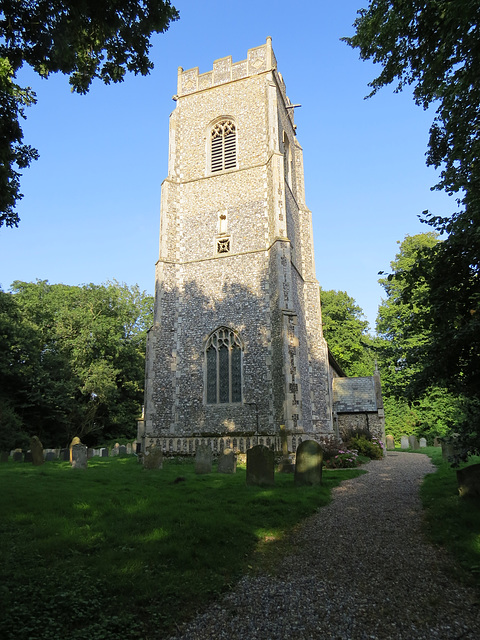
434 47
83 365
346 332
84 39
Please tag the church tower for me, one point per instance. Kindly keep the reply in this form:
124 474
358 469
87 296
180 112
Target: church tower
236 349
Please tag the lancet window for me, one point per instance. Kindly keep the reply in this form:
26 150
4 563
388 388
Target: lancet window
224 146
223 353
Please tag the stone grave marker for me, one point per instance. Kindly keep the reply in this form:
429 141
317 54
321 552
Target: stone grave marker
404 442
227 462
49 456
129 449
18 455
122 450
104 452
413 442
79 456
390 441
423 443
203 459
309 462
64 454
90 453
75 440
260 466
28 456
114 450
153 458
36 447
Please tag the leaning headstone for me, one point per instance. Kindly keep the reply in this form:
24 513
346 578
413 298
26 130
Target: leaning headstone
153 458
260 465
413 442
423 443
79 456
469 481
390 440
203 459
122 450
18 455
36 447
309 462
227 462
404 442
4 456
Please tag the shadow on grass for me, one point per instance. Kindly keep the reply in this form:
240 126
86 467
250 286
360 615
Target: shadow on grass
120 551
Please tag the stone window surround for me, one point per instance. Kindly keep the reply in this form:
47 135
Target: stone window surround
211 125
208 345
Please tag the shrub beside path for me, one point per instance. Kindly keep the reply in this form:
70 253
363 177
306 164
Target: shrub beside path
359 568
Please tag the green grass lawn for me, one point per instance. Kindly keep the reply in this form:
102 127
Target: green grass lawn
452 521
117 551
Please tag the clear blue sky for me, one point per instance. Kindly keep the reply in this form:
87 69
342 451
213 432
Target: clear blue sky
92 201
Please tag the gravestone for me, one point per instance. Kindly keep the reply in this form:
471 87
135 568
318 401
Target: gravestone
413 442
79 456
404 442
64 454
49 456
203 459
227 462
260 466
28 456
90 453
104 452
75 440
390 440
36 447
423 443
129 449
122 450
309 462
114 450
153 458
4 456
18 455
286 464
468 480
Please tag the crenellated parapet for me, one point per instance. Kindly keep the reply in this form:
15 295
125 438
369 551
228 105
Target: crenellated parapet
259 60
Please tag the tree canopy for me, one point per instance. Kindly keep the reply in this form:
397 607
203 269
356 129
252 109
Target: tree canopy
346 331
84 39
434 47
72 361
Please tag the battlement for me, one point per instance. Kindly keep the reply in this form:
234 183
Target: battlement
259 59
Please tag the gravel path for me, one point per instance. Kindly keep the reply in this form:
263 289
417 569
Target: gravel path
360 568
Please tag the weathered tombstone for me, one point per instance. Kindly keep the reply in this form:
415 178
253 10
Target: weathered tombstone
404 442
390 440
260 465
309 462
79 456
469 481
203 459
129 449
75 440
90 453
104 452
286 464
122 450
153 458
227 462
413 442
423 443
49 456
18 455
114 450
4 456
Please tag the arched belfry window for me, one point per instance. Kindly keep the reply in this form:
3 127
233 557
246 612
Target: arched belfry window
223 352
223 152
